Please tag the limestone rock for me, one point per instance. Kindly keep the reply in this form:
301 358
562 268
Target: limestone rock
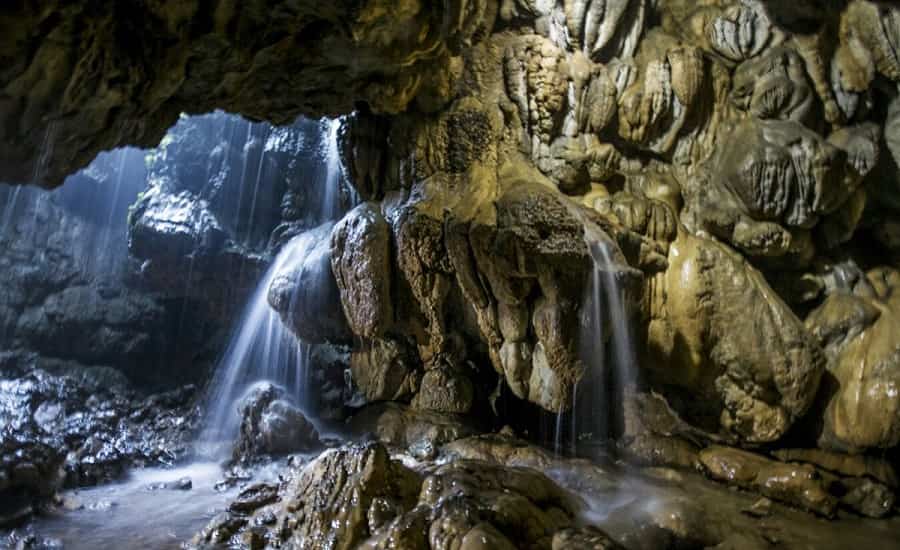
774 85
858 331
445 389
775 175
499 449
605 29
843 464
516 506
199 70
79 429
327 504
384 370
718 147
404 427
584 538
536 83
700 324
537 245
305 292
798 485
361 248
867 497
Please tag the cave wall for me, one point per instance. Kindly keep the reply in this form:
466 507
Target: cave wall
737 156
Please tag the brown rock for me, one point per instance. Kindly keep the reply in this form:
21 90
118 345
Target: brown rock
384 370
444 389
796 484
361 262
843 464
859 332
328 503
584 538
719 331
404 427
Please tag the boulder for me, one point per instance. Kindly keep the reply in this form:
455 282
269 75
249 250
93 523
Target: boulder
357 496
858 329
63 431
721 332
385 370
329 502
584 538
304 292
873 467
271 426
361 262
404 427
445 389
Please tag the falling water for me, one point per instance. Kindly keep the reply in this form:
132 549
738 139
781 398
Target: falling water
606 348
332 173
261 347
93 206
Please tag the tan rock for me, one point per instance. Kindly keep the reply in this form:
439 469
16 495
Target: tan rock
843 464
584 538
328 503
718 330
795 484
403 427
859 332
360 248
445 389
384 370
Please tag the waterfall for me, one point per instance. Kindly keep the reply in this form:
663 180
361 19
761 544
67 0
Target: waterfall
606 348
261 347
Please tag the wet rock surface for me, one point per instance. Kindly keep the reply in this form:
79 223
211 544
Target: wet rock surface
735 159
796 484
222 194
271 426
69 301
503 492
359 495
68 431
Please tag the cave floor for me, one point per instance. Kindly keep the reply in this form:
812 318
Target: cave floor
644 508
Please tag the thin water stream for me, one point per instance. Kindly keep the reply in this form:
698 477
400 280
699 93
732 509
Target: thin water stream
607 349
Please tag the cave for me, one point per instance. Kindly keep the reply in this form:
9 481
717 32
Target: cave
539 274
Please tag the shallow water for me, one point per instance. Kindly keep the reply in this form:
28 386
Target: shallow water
130 515
625 501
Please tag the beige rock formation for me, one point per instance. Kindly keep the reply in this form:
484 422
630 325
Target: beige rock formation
858 330
722 149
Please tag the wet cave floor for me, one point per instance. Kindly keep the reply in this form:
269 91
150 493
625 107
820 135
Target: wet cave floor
642 508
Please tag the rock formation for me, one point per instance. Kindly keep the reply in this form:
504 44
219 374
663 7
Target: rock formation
737 159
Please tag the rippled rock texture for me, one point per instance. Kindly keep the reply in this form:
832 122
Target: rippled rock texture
358 496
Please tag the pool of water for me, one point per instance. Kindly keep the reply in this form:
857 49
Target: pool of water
137 513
